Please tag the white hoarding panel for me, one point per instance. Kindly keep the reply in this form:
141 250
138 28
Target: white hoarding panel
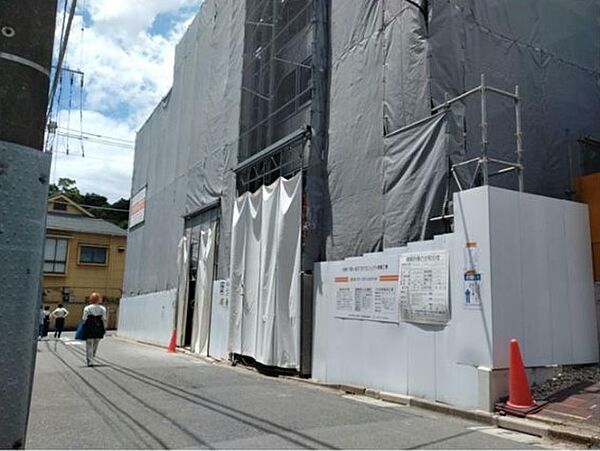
137 209
367 291
424 287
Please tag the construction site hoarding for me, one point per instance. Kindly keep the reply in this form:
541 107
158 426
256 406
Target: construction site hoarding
348 93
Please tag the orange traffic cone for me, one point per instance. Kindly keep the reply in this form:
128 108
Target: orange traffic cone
520 402
173 343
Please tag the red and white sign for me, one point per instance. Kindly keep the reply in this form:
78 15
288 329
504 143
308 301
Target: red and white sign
137 209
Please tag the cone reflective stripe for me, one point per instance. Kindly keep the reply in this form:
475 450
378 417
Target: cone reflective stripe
520 402
173 343
518 385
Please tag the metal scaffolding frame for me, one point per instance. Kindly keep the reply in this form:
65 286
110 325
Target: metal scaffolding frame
277 74
482 163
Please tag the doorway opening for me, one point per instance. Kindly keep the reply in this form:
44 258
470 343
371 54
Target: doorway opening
196 284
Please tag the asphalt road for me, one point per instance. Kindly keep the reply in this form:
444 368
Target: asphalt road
143 397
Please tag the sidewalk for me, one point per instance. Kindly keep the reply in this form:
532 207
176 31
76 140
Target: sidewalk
575 409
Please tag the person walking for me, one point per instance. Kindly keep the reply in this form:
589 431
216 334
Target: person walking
59 314
41 317
94 326
45 319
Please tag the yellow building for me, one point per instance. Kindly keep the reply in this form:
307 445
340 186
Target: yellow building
82 254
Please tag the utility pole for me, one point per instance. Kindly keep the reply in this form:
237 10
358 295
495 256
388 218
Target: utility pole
26 43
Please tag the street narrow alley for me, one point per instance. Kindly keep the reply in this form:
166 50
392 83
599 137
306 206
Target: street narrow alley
142 397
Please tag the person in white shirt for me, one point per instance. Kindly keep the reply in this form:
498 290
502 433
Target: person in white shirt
45 318
94 326
41 318
59 314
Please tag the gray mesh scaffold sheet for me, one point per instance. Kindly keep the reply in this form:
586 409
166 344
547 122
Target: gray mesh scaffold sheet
186 150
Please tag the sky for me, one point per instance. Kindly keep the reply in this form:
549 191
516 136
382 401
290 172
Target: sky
126 52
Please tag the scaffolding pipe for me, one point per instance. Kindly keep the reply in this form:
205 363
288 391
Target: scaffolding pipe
502 92
484 132
456 99
519 133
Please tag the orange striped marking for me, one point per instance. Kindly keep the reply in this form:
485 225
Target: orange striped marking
389 278
342 279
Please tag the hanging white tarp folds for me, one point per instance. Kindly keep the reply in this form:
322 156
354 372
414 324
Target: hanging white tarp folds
183 255
265 274
204 286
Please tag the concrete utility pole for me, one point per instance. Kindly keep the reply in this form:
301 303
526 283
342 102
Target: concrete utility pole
26 42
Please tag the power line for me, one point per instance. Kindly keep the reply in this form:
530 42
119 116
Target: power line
96 135
61 57
104 142
86 157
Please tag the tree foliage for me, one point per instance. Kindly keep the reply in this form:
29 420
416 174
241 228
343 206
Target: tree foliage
97 204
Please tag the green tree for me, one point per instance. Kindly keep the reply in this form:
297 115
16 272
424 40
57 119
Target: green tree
68 187
98 205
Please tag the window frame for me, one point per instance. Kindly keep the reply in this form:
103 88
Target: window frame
59 206
98 246
54 262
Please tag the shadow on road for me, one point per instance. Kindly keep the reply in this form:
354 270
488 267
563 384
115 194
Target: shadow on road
298 438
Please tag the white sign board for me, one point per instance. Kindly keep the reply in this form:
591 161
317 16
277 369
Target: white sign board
367 291
472 275
423 287
219 320
137 209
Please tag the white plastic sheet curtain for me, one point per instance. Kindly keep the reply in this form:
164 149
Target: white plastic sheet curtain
265 274
183 254
204 286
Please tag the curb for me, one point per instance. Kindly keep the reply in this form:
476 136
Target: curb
528 426
577 437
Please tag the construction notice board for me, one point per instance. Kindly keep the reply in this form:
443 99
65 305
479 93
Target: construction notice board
423 287
367 290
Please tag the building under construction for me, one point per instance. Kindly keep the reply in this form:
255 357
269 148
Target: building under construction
301 132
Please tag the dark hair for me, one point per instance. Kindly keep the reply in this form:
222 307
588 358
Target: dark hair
60 305
46 307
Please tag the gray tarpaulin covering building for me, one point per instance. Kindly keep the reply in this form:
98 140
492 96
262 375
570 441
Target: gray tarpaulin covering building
341 90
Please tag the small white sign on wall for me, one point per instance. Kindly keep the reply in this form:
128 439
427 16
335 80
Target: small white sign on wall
423 287
137 210
472 275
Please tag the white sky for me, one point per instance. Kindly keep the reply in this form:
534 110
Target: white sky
126 52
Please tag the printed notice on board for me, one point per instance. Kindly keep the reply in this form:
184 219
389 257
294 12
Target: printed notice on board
423 287
367 291
221 292
472 275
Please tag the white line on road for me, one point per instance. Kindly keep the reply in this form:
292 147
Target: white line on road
372 401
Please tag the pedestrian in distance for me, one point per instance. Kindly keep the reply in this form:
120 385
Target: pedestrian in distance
41 322
94 326
59 314
45 319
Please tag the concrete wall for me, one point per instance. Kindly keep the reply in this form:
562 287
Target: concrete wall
536 286
148 318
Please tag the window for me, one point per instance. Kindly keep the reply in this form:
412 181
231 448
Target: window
59 205
92 255
55 256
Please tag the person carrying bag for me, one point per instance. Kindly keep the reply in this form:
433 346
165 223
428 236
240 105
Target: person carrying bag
94 326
